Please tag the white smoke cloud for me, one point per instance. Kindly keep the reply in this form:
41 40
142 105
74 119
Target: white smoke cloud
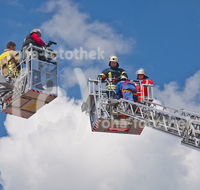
50 158
188 98
75 29
70 79
41 152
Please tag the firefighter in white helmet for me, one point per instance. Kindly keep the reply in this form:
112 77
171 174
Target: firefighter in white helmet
141 74
34 38
141 87
112 74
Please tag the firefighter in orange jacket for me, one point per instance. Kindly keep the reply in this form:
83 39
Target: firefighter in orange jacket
141 89
141 74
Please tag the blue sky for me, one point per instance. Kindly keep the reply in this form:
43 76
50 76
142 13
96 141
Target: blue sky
161 36
165 34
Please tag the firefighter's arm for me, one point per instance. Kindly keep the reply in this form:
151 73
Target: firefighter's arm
124 73
38 40
15 56
103 75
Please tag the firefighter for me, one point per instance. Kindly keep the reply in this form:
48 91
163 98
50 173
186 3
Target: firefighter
9 60
111 75
126 89
140 86
141 74
34 38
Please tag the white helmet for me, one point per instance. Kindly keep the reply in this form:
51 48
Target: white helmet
141 71
37 31
113 58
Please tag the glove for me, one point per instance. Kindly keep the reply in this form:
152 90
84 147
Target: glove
115 80
104 77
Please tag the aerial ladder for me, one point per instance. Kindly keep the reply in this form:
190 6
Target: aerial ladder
36 84
127 117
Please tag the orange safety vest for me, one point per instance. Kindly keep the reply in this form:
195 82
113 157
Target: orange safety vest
142 90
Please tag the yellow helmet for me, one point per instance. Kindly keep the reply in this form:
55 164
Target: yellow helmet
123 77
141 71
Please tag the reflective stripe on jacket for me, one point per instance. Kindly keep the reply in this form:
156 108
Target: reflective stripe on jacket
11 67
142 90
111 73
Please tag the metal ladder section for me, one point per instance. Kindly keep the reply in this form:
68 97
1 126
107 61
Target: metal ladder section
181 123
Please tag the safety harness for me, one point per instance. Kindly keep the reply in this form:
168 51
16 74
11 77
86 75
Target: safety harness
135 94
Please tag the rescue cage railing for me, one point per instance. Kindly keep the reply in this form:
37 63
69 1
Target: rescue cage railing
23 78
102 97
181 123
46 57
102 94
148 88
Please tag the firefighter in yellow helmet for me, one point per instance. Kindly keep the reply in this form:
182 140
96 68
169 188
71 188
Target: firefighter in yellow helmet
9 60
112 74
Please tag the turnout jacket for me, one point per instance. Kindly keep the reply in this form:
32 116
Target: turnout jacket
112 73
34 39
12 65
